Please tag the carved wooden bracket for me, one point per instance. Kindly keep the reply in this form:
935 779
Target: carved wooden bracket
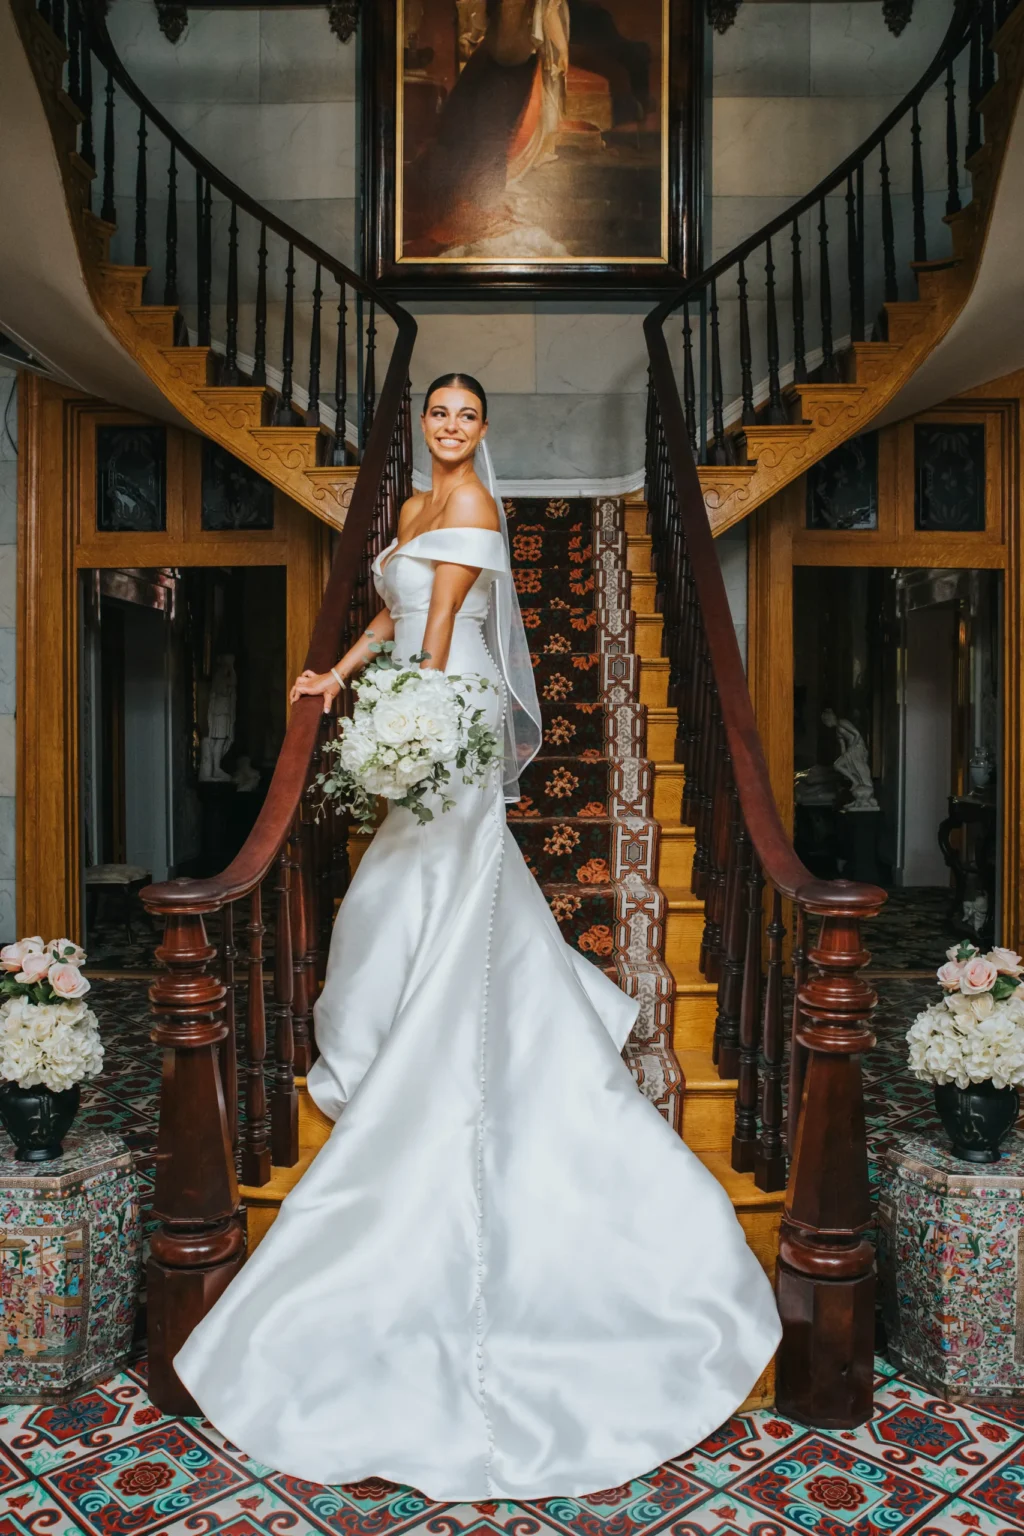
342 15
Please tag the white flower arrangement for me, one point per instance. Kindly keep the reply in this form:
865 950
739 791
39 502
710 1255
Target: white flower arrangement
976 1033
409 728
48 1034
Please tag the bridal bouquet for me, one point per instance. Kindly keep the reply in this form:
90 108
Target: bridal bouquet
975 1034
48 1034
409 729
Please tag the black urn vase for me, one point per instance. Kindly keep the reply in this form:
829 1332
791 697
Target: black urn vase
37 1119
977 1118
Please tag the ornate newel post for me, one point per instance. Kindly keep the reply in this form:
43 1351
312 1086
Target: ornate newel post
825 1285
199 1244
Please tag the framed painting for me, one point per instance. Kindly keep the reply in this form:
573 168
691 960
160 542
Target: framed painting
532 144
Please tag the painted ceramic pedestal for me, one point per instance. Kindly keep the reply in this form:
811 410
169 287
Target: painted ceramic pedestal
951 1267
70 1244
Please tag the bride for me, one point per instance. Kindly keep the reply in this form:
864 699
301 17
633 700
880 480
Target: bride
504 1276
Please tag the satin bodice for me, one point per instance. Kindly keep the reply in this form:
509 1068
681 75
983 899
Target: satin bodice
404 576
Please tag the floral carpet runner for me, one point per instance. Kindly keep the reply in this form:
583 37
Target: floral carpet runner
584 822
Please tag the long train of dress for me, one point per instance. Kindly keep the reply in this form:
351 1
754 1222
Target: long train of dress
504 1275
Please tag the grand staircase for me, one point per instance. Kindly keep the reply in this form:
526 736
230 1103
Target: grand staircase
644 819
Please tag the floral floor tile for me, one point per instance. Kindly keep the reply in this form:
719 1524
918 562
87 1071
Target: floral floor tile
42 1438
28 1510
139 1487
823 1485
645 1504
370 1508
962 1518
1001 1490
257 1511
926 1438
741 1443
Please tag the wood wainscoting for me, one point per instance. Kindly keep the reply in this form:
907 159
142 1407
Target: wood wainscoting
58 537
780 541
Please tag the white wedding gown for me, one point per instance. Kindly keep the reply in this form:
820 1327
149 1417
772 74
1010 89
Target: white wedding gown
504 1276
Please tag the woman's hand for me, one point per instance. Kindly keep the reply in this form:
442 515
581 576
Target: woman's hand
324 683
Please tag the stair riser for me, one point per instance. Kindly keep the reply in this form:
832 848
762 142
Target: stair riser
675 861
648 638
643 595
683 933
654 684
638 556
661 737
708 1121
668 797
693 1021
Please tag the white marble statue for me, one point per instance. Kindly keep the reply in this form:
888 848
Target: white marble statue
852 763
220 722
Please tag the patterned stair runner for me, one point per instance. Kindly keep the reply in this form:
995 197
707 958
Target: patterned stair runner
584 823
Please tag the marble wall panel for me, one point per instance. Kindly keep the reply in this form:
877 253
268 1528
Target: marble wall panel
498 348
564 436
7 756
6 839
766 52
8 489
853 53
300 59
732 557
217 60
276 150
586 353
8 668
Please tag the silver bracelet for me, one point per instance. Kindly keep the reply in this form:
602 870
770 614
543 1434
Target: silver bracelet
337 677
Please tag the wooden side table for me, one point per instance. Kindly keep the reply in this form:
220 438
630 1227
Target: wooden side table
951 1267
70 1246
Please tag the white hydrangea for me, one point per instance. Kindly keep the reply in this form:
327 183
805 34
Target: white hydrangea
973 1035
55 1044
409 730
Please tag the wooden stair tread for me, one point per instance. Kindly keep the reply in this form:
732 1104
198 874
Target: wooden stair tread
681 899
740 1187
702 1077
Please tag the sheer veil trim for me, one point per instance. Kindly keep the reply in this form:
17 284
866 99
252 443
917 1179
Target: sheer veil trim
506 637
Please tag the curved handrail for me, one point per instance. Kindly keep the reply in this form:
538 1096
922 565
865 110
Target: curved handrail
252 864
102 45
950 47
779 860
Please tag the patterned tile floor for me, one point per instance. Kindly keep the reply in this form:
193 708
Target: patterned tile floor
109 1464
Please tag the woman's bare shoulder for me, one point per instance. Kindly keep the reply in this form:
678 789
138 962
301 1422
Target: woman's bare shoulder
470 506
410 511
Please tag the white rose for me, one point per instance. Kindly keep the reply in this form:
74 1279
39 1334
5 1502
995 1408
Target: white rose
394 721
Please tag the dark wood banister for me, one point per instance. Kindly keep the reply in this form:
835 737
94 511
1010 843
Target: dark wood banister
950 47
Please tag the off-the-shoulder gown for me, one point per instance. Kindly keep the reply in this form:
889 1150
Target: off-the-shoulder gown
504 1276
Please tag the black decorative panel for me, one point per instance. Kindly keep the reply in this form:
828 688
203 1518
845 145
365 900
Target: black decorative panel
131 479
842 488
234 496
949 478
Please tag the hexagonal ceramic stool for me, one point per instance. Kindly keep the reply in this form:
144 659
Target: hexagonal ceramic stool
70 1245
951 1268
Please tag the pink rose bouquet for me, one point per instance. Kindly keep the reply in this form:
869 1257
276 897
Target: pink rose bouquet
48 1034
975 1034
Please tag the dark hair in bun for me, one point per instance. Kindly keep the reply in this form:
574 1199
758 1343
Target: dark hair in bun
457 381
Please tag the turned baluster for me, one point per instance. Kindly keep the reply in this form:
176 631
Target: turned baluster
693 690
340 449
198 1244
88 145
303 946
706 751
829 370
141 196
108 208
854 261
974 92
892 291
718 854
770 1161
370 373
229 1045
825 1286
952 149
284 415
259 369
171 233
284 1098
988 58
776 413
744 1140
748 415
230 372
797 1054
723 449
74 54
734 933
204 259
313 409
799 343
689 385
256 1143
57 18
917 186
